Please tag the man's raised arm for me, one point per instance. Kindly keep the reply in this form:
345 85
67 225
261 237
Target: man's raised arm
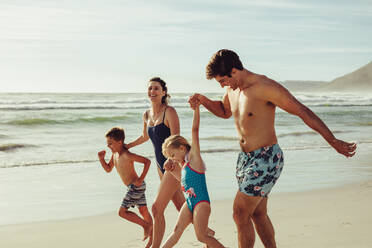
218 108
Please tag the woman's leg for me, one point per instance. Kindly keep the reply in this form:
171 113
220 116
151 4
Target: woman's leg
178 198
201 217
160 173
184 219
147 217
168 186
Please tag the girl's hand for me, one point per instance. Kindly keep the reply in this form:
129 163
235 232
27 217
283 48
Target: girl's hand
197 105
194 101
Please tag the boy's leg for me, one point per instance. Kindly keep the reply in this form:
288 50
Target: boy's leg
202 212
184 219
147 217
133 217
168 186
145 214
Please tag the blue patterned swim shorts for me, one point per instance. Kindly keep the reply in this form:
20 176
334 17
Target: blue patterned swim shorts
135 196
258 171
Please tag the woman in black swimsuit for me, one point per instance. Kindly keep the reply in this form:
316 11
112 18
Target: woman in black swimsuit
159 122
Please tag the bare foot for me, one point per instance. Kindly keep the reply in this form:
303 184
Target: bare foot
147 231
210 232
149 243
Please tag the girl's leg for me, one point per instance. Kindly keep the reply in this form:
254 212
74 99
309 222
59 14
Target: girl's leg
201 217
184 219
179 199
168 186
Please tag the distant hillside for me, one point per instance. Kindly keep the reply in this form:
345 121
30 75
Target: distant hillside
301 85
357 81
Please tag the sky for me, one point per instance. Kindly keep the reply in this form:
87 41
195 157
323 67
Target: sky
117 45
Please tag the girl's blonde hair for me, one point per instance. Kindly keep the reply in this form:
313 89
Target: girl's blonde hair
175 142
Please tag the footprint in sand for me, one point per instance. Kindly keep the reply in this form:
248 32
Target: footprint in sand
345 224
132 244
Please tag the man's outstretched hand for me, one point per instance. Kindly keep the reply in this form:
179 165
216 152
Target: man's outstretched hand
345 148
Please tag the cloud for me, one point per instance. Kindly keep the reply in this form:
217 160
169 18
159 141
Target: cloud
81 41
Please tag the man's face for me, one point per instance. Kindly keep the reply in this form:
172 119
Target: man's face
227 81
114 145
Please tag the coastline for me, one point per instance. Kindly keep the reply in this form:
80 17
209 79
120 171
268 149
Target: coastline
331 217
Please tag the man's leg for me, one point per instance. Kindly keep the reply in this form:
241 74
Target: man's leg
244 206
263 224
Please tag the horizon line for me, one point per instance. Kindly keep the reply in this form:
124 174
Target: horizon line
95 92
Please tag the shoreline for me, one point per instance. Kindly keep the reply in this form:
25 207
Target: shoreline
274 194
334 217
85 191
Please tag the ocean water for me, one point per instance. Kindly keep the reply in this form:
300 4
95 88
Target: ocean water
49 143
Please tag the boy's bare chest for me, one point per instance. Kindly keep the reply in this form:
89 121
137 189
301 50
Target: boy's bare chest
122 164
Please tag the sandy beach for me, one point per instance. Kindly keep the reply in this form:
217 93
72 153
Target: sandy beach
332 217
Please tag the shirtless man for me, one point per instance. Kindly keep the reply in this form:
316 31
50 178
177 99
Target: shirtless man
252 99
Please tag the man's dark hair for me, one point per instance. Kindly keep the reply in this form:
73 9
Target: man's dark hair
116 133
222 63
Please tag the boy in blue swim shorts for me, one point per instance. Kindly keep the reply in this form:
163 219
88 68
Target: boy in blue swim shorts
124 160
